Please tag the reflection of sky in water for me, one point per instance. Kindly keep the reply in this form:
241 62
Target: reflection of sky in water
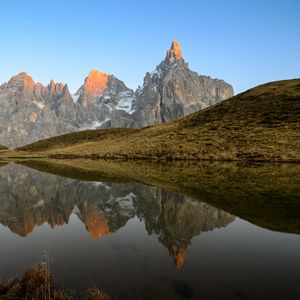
234 258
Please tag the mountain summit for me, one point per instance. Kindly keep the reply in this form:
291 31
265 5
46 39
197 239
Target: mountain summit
21 80
172 91
94 85
174 54
30 111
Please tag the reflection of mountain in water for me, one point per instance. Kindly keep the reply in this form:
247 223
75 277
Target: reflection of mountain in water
176 219
30 198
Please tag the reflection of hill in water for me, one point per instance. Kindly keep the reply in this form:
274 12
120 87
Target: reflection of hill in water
30 198
264 194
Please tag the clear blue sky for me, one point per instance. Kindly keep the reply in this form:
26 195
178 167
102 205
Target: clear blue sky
243 42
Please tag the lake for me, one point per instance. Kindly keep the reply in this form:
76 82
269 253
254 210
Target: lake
152 231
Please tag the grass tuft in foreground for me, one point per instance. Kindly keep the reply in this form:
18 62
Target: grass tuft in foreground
37 284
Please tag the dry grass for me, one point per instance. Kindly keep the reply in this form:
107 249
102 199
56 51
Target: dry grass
2 163
262 124
37 284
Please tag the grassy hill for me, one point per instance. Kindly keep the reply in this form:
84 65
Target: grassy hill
262 124
3 148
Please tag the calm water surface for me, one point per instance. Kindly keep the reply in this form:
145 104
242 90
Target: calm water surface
136 241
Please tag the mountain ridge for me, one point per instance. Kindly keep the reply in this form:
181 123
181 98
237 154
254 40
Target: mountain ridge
31 111
261 124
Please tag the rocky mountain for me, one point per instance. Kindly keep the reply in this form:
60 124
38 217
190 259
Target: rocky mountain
30 111
101 98
172 91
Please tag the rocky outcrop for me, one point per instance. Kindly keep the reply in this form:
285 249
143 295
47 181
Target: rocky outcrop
94 86
30 111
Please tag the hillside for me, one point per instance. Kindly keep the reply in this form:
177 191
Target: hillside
260 124
2 147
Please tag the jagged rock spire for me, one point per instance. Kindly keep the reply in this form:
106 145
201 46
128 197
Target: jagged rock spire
94 85
174 53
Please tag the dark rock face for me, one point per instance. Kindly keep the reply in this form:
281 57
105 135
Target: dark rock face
30 111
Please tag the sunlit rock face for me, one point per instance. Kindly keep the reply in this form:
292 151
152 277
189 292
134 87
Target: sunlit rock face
95 222
102 97
174 54
30 198
177 253
30 111
94 86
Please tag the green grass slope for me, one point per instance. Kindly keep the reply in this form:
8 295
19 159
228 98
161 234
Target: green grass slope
260 124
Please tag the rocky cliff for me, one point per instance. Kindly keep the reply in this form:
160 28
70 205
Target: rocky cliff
30 111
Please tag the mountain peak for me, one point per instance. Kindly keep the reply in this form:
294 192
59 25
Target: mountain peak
178 253
95 72
96 224
94 85
23 76
174 53
96 82
21 80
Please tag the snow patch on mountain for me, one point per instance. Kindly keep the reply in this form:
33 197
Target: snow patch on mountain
93 125
40 105
158 72
125 102
126 204
75 97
